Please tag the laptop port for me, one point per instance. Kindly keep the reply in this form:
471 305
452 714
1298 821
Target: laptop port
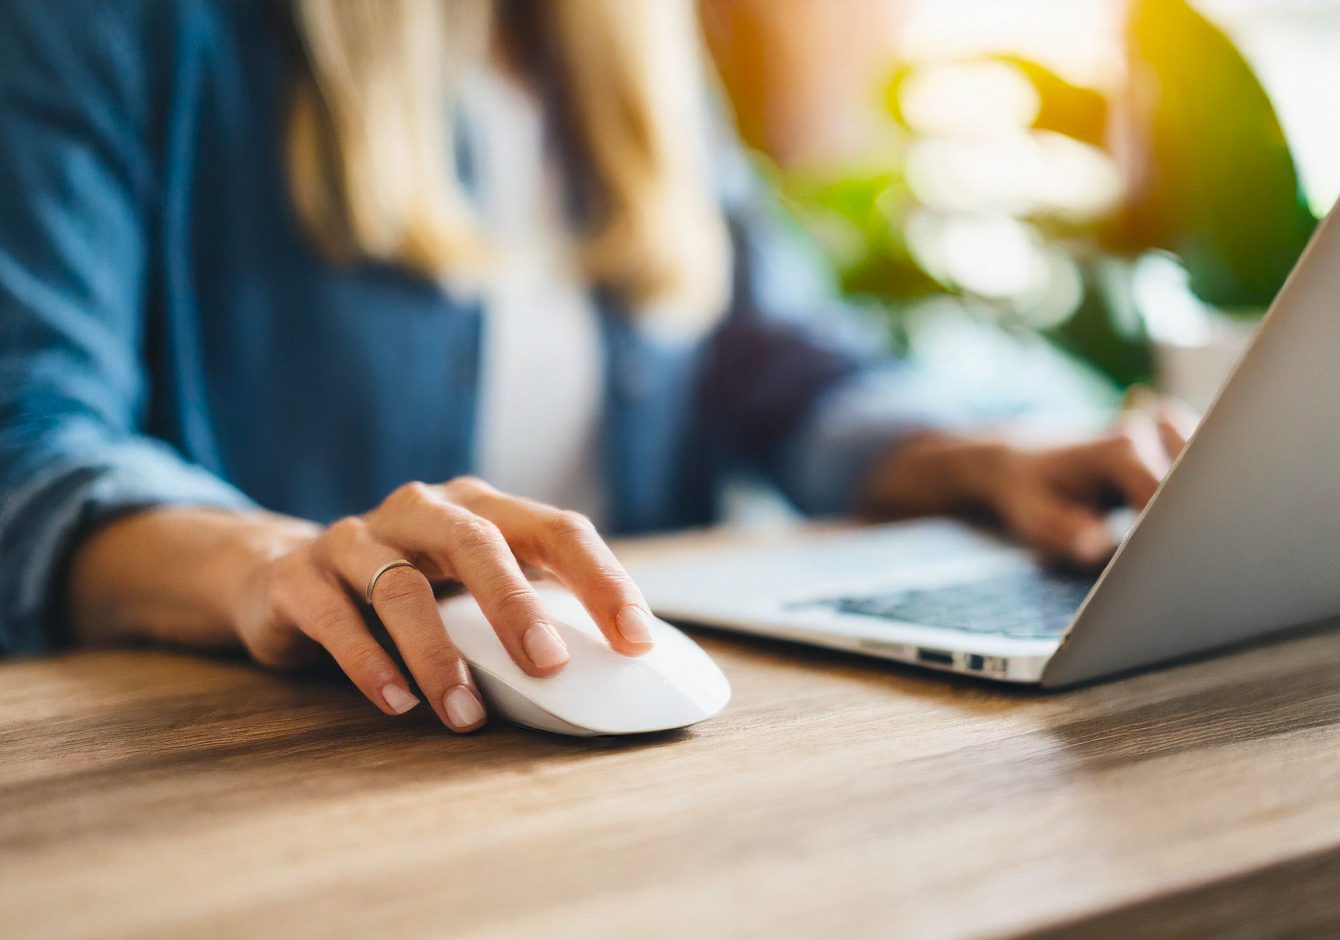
935 657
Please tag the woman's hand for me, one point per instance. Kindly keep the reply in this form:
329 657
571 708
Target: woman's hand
464 531
288 589
1052 498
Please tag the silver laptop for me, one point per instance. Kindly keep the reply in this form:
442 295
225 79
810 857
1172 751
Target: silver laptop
1242 539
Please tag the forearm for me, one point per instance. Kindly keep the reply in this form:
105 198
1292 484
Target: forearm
172 575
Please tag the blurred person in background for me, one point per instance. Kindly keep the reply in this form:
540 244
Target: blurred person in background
265 267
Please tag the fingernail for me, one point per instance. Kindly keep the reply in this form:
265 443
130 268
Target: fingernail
1094 545
464 711
634 625
400 700
544 647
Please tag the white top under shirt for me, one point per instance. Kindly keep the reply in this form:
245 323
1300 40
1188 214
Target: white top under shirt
542 367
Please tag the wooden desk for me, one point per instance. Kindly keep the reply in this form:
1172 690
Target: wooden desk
157 794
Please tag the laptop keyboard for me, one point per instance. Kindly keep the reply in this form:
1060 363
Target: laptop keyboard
1025 605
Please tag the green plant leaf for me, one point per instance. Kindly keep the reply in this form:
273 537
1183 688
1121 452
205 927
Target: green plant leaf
1219 187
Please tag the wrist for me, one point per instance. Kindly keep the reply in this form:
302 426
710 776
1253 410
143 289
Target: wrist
938 473
238 591
174 574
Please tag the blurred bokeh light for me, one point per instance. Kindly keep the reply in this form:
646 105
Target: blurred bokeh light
1291 44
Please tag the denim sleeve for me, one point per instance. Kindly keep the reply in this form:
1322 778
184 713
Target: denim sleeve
797 386
77 183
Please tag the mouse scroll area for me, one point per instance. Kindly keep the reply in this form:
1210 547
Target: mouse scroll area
520 710
599 691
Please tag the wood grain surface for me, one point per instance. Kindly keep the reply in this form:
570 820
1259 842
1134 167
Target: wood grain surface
159 794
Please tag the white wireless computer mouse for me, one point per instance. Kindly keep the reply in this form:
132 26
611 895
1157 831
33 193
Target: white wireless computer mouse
599 691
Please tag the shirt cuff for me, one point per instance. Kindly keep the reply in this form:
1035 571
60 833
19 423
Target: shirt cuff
45 517
853 426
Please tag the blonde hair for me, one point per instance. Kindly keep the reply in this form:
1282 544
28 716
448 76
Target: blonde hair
371 156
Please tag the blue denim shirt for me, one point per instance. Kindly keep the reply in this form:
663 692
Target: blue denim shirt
167 337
